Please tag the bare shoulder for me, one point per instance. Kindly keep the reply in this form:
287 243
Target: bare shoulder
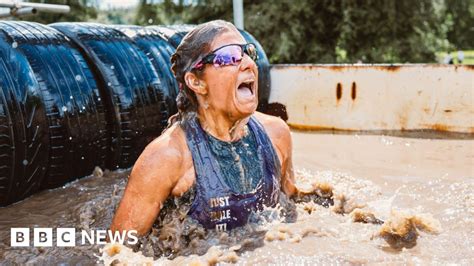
153 177
162 158
274 126
279 134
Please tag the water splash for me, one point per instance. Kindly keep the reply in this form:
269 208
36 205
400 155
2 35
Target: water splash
181 239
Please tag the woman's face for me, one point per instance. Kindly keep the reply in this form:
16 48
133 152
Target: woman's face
232 89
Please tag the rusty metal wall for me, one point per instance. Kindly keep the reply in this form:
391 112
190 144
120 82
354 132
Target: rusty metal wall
376 97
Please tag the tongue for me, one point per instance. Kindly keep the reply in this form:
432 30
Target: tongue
244 92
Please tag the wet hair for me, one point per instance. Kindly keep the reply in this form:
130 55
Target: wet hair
194 46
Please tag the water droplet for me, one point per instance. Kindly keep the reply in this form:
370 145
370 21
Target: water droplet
112 67
78 78
25 162
83 108
70 97
150 21
109 84
82 158
64 108
14 45
70 138
98 99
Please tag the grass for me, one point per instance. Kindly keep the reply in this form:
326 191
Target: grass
468 57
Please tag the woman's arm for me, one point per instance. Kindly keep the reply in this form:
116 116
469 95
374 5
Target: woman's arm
153 177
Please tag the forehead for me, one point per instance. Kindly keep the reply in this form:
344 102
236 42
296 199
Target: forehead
227 37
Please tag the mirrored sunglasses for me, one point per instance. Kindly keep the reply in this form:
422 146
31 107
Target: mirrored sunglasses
228 55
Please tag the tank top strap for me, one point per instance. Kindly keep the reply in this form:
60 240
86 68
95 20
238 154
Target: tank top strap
271 163
205 165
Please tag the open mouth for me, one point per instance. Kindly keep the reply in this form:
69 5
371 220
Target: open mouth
246 89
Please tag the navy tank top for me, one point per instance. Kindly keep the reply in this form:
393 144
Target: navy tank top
216 205
239 165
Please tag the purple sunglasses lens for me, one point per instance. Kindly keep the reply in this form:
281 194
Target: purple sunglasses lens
229 55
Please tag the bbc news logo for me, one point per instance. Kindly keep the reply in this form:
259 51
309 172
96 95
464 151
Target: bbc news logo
66 237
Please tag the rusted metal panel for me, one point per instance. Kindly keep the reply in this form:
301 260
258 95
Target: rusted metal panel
376 97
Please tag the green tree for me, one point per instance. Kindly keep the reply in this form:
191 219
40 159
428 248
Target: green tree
296 31
461 15
330 31
147 12
391 31
179 12
282 27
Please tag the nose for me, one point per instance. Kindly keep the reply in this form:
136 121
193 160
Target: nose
247 64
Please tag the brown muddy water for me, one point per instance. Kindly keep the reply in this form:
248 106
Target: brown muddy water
396 201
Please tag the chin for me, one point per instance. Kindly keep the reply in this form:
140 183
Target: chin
246 110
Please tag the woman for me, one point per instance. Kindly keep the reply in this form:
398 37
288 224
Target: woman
235 158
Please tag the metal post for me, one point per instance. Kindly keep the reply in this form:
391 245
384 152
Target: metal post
238 6
25 8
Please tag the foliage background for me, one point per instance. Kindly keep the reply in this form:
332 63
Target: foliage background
313 31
